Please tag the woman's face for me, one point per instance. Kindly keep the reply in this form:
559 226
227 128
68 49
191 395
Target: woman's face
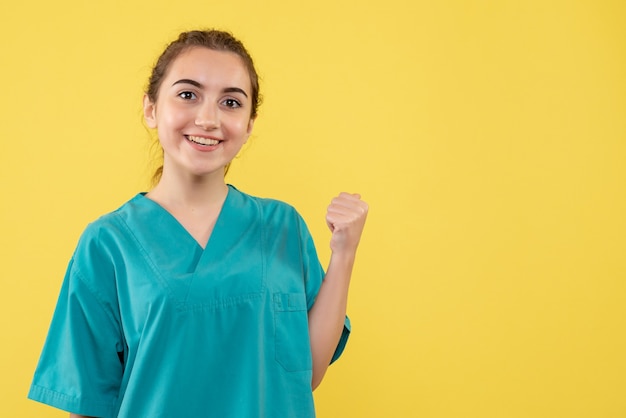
202 113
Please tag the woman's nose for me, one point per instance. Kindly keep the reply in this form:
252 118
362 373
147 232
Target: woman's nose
208 117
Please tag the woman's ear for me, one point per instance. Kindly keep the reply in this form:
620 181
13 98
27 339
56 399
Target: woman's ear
249 129
250 125
149 112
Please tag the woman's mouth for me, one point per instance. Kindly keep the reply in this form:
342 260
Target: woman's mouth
202 141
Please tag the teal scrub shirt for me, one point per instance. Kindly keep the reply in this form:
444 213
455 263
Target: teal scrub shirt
149 324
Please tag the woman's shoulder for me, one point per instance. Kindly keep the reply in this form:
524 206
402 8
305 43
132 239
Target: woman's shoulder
110 223
266 204
277 215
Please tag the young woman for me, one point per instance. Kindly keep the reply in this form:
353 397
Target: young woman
196 299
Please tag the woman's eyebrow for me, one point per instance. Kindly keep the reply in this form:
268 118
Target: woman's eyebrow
188 81
235 90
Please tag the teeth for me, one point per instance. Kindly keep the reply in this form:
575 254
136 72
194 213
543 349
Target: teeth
203 141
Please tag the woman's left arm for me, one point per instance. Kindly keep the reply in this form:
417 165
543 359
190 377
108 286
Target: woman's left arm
346 218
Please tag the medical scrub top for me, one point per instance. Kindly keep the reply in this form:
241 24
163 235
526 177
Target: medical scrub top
149 324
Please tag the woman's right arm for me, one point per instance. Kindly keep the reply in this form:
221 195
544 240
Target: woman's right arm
79 416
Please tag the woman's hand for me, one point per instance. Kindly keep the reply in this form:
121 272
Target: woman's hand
346 218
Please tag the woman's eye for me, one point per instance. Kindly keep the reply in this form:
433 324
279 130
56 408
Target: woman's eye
232 103
187 95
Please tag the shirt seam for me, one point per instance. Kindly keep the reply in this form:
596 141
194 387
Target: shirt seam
74 399
96 294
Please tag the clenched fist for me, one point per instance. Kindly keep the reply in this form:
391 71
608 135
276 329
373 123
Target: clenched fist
346 218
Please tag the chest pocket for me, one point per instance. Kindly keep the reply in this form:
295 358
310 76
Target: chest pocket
293 348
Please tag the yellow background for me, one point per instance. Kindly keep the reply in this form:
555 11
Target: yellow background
489 138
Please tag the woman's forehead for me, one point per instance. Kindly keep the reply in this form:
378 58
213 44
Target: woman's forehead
210 65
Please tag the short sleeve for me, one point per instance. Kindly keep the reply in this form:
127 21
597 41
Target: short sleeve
80 368
314 276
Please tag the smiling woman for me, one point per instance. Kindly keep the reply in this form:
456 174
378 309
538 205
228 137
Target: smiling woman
214 41
203 105
196 299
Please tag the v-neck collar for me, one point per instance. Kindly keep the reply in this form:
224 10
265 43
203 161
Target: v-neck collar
190 240
191 275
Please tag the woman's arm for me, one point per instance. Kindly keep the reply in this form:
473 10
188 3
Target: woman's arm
346 218
79 416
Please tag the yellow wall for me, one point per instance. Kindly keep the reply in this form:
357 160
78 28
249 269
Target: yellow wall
488 136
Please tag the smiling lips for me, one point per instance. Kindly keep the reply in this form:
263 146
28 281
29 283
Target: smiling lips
202 141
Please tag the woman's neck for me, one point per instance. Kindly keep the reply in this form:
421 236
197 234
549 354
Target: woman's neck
195 202
187 192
